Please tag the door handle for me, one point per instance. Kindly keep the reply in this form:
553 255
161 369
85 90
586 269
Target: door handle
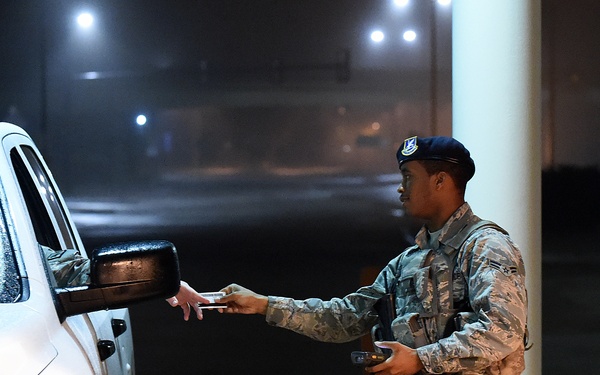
119 326
106 348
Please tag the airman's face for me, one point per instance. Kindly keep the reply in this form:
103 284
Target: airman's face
416 190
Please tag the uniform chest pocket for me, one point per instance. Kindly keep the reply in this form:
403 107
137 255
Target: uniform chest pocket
424 291
425 285
416 293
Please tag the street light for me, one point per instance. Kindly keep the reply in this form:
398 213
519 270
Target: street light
409 35
433 58
85 20
377 36
141 120
401 3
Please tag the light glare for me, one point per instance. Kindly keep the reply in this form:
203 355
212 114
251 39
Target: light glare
85 20
444 2
141 120
401 3
409 35
377 36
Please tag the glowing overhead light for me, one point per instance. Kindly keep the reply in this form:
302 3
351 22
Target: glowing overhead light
444 2
377 36
141 120
90 75
85 20
409 35
401 3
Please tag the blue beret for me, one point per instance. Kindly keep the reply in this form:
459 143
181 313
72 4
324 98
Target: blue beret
436 148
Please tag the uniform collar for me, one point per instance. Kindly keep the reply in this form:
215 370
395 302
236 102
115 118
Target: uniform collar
448 239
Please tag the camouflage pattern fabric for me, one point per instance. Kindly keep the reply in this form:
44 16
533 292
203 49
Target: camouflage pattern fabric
68 267
486 270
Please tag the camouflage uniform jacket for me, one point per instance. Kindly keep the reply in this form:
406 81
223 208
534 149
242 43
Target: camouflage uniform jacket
488 277
68 267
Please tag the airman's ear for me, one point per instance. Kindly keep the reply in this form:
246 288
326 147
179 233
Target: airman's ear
440 179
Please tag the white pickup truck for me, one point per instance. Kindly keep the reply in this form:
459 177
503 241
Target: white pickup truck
47 326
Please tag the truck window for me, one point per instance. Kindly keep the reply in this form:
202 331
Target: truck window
47 215
10 280
49 220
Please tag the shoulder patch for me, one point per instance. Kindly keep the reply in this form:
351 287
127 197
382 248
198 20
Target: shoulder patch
506 270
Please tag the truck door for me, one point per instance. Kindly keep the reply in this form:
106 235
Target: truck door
54 229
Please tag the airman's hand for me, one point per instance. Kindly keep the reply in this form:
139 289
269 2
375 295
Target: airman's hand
403 361
243 301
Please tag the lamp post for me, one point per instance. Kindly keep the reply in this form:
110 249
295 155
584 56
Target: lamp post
85 21
433 68
43 80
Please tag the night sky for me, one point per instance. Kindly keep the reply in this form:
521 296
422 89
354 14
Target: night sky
140 38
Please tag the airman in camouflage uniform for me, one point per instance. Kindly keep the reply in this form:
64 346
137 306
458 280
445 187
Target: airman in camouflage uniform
460 297
68 267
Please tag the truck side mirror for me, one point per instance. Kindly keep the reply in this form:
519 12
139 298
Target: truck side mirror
124 273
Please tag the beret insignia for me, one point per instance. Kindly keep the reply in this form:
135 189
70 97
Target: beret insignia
410 146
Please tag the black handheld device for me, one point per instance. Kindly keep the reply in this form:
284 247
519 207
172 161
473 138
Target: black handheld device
367 359
386 309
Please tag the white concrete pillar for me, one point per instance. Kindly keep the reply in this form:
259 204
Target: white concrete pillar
496 48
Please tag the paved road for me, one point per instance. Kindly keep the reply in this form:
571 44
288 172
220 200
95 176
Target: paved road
308 237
